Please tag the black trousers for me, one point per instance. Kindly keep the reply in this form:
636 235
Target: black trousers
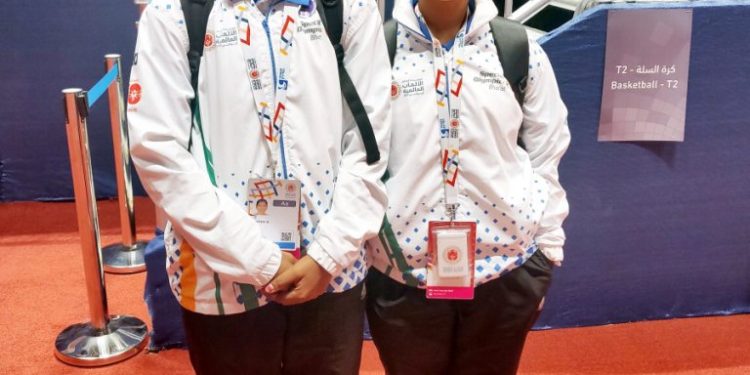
323 336
419 336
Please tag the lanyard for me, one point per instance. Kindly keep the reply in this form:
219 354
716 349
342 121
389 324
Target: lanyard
269 97
448 83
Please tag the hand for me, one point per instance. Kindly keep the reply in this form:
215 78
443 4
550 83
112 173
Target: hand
304 281
287 261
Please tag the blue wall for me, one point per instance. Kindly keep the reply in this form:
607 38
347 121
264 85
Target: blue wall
47 46
656 229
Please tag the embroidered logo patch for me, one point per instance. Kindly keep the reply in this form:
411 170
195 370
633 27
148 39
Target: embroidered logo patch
411 87
134 94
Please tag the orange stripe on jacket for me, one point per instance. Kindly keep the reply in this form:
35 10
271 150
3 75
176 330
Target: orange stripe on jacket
189 279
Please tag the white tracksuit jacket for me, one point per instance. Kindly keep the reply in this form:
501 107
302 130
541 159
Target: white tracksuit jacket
213 246
512 194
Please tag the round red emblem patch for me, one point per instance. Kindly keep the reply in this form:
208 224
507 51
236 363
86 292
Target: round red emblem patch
395 90
452 255
134 93
208 41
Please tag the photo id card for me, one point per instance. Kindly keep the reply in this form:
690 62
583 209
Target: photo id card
450 271
274 204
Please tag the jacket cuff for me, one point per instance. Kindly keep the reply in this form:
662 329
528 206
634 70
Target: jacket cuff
553 253
325 260
266 272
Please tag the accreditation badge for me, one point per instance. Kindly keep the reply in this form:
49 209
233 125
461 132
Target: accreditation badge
275 206
450 271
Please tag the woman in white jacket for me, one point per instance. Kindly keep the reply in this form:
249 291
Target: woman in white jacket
455 157
220 265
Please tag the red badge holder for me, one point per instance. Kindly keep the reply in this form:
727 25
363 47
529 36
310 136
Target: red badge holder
450 270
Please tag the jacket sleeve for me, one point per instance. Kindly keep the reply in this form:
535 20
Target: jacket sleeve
218 229
546 137
359 197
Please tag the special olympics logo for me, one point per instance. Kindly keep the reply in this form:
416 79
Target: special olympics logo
134 94
208 41
452 255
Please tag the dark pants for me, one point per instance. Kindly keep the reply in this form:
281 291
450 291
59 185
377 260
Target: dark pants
419 336
323 336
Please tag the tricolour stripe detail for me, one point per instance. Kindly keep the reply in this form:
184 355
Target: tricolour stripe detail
219 303
189 280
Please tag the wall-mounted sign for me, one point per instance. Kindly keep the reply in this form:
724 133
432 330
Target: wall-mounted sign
646 75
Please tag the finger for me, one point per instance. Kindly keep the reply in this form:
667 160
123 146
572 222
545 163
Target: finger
294 297
289 257
280 297
282 282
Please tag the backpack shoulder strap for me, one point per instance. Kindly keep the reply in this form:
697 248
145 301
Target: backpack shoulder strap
512 45
391 30
332 14
196 14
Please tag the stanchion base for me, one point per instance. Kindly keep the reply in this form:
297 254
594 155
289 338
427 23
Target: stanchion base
118 258
83 345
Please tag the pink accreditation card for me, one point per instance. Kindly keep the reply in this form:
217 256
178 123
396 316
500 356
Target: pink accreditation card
450 271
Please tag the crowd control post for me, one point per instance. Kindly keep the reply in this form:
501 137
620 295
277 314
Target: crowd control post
104 339
125 256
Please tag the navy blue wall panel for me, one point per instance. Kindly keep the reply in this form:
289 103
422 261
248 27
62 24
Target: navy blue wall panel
47 46
657 229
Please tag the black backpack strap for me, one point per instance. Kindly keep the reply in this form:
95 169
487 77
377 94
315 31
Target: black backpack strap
513 51
196 14
332 14
391 30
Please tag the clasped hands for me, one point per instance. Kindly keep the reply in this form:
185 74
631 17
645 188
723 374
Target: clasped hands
297 281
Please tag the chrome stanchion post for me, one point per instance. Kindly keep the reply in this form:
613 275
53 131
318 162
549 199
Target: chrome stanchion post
141 4
103 340
127 256
508 8
88 218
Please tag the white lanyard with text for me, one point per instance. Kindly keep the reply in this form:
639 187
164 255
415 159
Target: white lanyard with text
270 104
448 82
